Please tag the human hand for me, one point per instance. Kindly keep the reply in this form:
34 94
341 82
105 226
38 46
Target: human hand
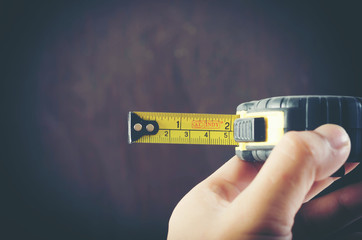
244 200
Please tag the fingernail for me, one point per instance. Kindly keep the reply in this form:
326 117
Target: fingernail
340 172
339 139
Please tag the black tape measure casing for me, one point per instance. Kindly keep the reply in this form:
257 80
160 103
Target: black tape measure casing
307 113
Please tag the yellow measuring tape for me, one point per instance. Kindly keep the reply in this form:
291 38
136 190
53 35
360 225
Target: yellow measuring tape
256 127
181 128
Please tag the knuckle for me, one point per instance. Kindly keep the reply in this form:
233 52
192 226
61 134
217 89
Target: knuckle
306 145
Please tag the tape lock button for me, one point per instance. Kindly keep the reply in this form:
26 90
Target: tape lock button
249 129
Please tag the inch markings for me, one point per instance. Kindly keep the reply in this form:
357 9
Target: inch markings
190 128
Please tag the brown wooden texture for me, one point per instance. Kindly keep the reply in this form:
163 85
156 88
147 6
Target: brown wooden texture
82 66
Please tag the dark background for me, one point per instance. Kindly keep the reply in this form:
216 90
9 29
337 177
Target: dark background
71 71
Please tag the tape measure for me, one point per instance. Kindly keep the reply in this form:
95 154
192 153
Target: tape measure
181 128
256 127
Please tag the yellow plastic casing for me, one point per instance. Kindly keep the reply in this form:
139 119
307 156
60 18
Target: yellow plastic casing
274 129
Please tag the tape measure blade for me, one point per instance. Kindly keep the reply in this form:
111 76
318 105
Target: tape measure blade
181 128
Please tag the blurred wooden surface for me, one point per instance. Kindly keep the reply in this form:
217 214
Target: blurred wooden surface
78 68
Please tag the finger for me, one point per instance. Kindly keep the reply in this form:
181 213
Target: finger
350 166
331 212
279 189
319 186
235 175
232 178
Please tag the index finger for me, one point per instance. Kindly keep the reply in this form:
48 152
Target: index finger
232 178
279 189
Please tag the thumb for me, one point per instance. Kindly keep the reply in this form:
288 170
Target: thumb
272 200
